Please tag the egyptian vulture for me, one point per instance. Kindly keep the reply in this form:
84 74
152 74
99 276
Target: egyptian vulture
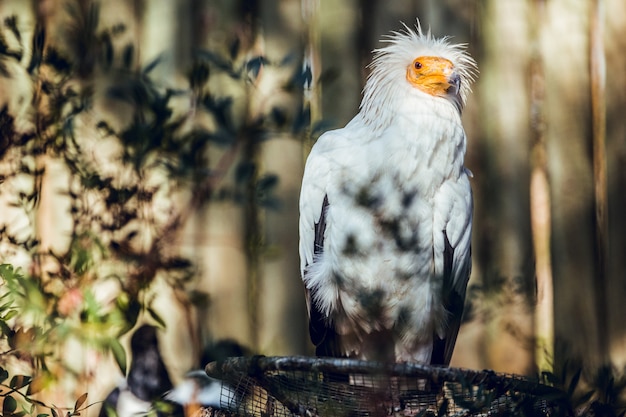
386 210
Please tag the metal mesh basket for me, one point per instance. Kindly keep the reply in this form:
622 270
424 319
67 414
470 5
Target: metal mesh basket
303 386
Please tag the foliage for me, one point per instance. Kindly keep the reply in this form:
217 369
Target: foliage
124 221
588 392
598 392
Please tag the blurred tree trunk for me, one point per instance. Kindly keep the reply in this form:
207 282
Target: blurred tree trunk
540 204
597 75
281 320
52 226
161 34
503 264
567 112
615 45
340 49
216 233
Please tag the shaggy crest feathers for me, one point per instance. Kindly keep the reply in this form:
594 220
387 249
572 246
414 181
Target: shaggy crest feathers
386 83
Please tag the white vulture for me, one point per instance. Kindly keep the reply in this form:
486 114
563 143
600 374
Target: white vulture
386 210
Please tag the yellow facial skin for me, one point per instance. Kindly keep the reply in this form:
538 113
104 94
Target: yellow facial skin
433 75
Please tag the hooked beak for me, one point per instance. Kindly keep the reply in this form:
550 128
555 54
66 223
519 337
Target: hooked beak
454 81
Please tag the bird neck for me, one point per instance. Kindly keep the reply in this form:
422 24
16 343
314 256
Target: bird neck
384 104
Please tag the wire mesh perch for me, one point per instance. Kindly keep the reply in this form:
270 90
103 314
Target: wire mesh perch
312 387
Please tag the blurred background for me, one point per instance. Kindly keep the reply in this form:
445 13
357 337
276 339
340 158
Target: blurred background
152 153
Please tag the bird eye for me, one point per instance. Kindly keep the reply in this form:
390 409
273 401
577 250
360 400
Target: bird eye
418 65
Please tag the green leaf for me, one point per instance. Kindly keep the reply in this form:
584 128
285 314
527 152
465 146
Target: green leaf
9 405
38 383
119 354
80 401
3 374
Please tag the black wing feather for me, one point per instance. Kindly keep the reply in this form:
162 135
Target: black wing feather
321 331
453 303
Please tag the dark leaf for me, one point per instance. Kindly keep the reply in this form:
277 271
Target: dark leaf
80 401
105 128
585 397
244 172
57 61
152 65
4 375
118 29
156 317
4 47
177 263
127 56
9 405
199 75
234 48
11 23
54 412
220 107
19 381
218 61
288 59
131 312
270 202
199 298
4 70
37 48
328 76
302 120
266 183
5 50
574 382
107 47
279 116
253 66
307 77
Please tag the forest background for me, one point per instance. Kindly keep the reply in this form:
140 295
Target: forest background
152 152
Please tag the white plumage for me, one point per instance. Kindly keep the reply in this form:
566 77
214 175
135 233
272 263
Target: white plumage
386 210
